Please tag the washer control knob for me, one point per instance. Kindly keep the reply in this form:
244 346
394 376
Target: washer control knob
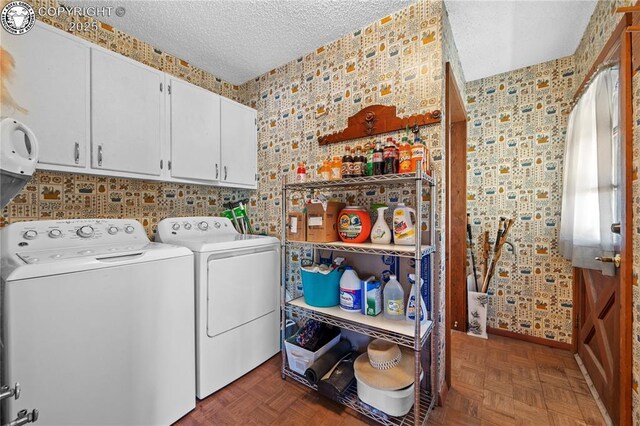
85 231
30 234
203 226
112 230
187 226
129 229
55 233
175 226
216 225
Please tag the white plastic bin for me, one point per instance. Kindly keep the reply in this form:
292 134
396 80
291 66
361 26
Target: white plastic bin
300 358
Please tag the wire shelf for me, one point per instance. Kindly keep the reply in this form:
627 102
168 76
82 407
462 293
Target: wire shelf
378 327
367 248
403 178
350 399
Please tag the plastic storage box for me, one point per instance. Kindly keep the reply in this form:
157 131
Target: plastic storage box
300 359
321 290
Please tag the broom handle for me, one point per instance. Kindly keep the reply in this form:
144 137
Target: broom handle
473 258
503 231
485 252
494 259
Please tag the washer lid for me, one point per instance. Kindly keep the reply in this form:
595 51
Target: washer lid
34 264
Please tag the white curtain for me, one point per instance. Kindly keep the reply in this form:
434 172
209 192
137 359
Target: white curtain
591 195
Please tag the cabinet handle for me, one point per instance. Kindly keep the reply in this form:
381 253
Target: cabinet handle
225 172
216 170
76 153
99 155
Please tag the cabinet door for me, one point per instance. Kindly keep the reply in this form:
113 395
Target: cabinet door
238 143
51 83
127 101
195 132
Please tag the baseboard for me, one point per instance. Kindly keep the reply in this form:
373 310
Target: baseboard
532 339
442 395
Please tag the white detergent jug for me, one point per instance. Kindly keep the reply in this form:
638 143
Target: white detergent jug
380 233
404 230
350 291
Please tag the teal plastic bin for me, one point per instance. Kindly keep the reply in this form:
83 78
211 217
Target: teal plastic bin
321 290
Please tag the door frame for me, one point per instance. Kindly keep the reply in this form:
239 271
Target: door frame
619 45
456 210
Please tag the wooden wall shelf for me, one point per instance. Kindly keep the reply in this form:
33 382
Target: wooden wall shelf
376 120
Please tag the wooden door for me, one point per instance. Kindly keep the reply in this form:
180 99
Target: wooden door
195 132
127 114
603 303
51 83
238 143
599 333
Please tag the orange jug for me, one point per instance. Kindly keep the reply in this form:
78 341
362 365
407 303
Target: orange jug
336 168
418 153
405 156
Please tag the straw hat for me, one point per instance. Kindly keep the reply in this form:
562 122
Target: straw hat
385 366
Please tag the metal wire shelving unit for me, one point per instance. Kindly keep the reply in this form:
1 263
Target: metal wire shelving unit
366 248
417 336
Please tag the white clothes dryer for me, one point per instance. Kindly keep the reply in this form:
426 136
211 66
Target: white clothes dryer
237 297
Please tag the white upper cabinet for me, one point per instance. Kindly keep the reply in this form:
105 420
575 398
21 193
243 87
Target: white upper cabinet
51 83
127 114
95 111
238 144
195 132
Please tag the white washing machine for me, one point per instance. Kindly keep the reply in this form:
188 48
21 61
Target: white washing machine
237 297
98 323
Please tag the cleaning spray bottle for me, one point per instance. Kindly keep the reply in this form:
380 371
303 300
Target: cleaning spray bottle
411 303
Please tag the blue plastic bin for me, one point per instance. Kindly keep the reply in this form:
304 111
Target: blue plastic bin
321 290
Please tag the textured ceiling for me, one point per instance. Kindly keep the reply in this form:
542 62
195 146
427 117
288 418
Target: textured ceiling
493 37
238 40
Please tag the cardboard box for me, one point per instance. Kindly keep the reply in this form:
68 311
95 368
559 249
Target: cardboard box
296 226
322 226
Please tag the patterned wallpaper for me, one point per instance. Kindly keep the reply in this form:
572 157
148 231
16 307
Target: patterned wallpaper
515 148
51 195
